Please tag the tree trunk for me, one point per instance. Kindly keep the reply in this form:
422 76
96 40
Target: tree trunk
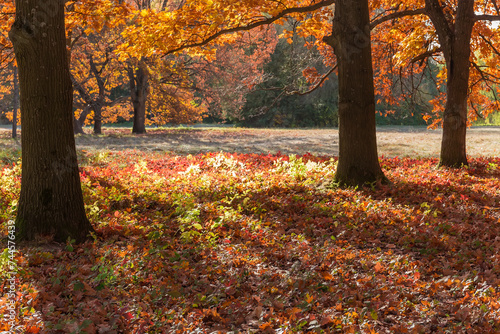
97 105
453 144
139 94
358 159
97 118
16 103
77 127
51 201
80 122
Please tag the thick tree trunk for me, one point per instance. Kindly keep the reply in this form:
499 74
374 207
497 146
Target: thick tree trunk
51 201
139 93
139 126
358 159
453 144
455 38
15 104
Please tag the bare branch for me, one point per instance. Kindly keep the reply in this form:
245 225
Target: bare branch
116 101
473 106
486 80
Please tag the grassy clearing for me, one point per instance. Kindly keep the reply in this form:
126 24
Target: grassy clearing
392 141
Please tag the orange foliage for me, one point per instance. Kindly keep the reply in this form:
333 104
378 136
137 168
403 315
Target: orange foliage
95 68
171 97
7 16
404 46
197 23
202 30
6 58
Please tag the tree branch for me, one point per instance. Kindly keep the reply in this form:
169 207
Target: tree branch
486 80
316 86
490 44
116 101
397 15
425 55
441 24
485 17
253 25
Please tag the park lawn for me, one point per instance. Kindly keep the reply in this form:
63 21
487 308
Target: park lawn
265 244
392 141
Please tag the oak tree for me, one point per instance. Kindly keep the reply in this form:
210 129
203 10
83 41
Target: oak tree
51 201
459 37
358 159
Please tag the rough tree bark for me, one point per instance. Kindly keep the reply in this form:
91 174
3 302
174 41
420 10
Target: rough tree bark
15 104
358 159
51 201
455 39
138 79
97 118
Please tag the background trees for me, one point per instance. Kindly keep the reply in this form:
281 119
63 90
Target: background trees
457 38
224 32
9 85
226 82
283 98
98 79
9 95
405 43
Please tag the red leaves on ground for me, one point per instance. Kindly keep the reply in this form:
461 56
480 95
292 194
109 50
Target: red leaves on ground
244 242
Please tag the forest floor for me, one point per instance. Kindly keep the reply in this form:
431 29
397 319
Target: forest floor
392 141
189 242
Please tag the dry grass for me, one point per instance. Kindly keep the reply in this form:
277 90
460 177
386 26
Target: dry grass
392 141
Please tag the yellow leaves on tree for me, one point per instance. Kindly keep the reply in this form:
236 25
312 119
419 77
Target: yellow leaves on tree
201 23
98 77
170 104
